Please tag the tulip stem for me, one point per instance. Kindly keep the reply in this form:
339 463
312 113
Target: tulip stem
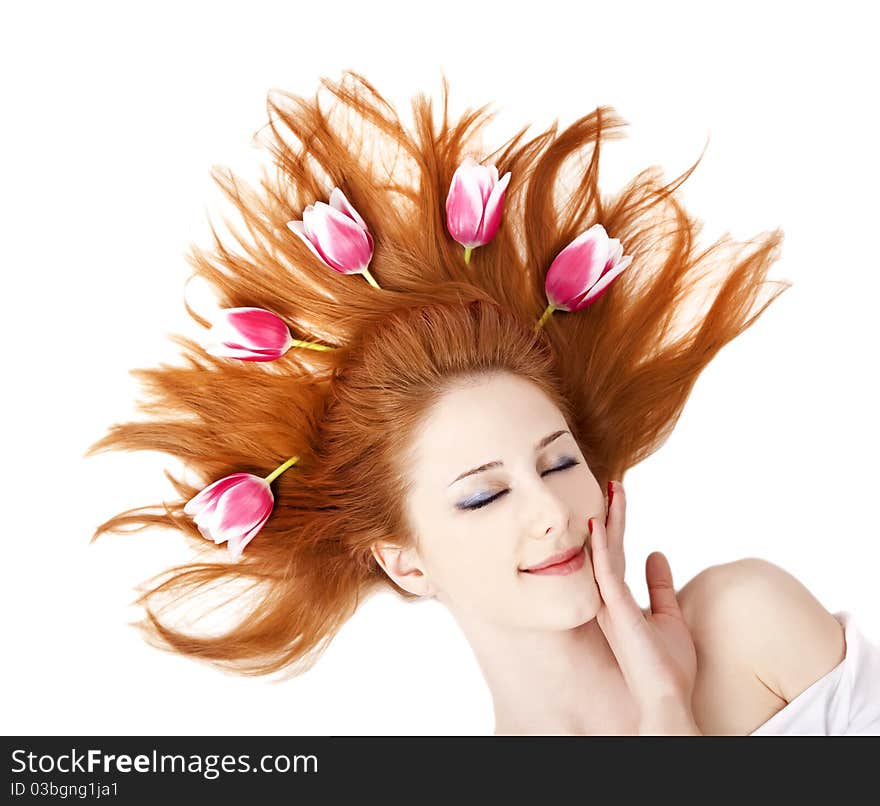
280 469
369 279
467 254
311 345
545 316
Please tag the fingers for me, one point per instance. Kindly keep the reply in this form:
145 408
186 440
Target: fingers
609 574
660 588
616 515
615 521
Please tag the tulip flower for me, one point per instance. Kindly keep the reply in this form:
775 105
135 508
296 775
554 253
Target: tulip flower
474 204
583 271
337 235
252 334
235 508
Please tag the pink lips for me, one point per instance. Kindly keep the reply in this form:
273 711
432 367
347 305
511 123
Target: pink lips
564 563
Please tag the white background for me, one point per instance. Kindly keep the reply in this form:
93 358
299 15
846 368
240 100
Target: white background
114 114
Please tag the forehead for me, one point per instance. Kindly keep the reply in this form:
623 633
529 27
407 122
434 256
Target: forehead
494 414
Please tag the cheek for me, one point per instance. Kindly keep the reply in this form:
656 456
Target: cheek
475 568
471 558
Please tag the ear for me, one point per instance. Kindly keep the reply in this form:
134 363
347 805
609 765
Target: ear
404 566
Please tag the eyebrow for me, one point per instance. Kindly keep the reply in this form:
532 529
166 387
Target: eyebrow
543 443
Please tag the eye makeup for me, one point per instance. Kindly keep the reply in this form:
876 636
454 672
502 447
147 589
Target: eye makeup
478 503
542 443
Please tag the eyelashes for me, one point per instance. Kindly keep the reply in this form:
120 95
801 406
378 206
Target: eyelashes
567 463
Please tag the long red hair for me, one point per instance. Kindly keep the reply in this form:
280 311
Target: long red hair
620 370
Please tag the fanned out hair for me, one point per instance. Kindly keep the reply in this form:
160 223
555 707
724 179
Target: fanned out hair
619 370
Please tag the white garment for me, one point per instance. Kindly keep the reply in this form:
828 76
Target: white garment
846 701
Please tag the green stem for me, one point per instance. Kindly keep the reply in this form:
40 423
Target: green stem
311 345
545 316
369 278
281 468
467 254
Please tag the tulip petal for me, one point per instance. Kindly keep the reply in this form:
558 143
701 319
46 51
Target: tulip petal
240 509
249 334
494 206
339 202
615 253
473 204
577 268
253 328
236 508
244 503
593 247
206 527
343 245
464 210
602 285
567 277
207 498
480 177
242 354
299 228
237 545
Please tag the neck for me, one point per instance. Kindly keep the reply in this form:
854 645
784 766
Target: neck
552 681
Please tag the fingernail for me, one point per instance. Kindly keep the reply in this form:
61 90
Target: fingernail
590 526
610 494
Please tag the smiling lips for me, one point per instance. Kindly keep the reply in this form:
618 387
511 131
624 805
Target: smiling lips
564 563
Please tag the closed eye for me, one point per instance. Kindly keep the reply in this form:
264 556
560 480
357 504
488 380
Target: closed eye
567 463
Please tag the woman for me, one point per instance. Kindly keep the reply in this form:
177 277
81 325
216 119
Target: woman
373 404
547 661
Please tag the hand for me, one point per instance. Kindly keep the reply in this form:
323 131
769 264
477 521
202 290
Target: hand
656 652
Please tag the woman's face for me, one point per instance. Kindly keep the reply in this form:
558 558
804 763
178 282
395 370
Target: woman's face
469 550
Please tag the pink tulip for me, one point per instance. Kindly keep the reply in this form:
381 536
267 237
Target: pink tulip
474 204
249 334
337 235
583 271
232 509
235 508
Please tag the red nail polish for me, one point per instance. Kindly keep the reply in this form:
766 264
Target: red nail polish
610 494
590 526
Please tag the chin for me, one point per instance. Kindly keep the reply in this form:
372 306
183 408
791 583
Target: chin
566 612
583 615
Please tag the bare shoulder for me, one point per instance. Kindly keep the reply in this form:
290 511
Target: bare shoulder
752 615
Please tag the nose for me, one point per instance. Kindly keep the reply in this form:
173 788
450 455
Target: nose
551 516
